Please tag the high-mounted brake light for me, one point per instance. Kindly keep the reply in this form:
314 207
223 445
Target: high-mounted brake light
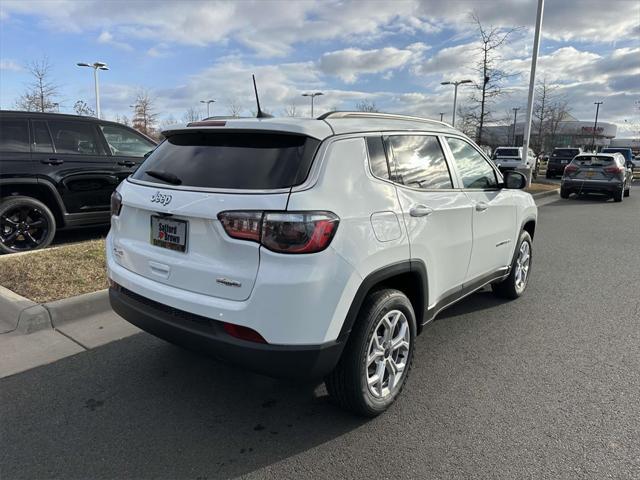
282 232
207 123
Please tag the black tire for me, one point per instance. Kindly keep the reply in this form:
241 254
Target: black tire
564 193
617 196
347 384
25 224
548 175
508 288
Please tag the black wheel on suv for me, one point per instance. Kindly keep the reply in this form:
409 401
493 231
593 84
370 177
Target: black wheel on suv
25 224
376 362
564 193
617 196
515 284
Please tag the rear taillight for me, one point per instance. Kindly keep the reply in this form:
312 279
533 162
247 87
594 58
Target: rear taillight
116 203
613 169
282 232
571 168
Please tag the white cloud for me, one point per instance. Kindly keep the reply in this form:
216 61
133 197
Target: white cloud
10 65
350 63
107 38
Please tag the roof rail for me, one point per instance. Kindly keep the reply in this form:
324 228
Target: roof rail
388 116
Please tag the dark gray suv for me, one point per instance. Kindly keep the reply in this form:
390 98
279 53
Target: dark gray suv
597 173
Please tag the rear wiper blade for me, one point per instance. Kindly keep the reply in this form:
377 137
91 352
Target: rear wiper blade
164 176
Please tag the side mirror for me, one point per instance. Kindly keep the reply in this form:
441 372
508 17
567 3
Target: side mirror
514 180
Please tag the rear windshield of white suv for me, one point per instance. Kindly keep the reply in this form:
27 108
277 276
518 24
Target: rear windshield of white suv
230 160
507 152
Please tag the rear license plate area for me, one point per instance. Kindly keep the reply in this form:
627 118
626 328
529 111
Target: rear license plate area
169 233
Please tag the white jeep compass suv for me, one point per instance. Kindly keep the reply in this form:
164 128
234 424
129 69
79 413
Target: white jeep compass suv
315 248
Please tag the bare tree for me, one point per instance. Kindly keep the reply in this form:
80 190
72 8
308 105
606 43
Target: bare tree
466 121
291 110
367 106
41 93
541 111
491 76
558 111
123 120
144 118
191 115
234 108
168 121
82 108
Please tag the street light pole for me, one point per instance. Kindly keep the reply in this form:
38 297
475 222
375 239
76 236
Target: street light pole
96 66
441 116
532 82
208 102
515 116
312 95
455 84
595 125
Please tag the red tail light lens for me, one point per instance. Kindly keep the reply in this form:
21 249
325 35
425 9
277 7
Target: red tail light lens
243 333
614 169
282 232
242 225
116 203
571 168
305 232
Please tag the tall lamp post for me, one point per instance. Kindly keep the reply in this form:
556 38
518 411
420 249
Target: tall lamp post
515 116
96 66
312 95
595 126
208 102
455 84
441 116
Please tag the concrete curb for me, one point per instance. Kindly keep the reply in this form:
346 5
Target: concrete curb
548 193
21 315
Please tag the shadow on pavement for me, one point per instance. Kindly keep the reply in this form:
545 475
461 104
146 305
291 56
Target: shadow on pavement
80 235
158 411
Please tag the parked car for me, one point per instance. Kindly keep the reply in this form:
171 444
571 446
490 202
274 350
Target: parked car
511 158
560 158
59 171
627 153
597 173
315 248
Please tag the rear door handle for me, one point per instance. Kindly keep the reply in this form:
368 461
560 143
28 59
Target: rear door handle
481 206
420 210
126 163
52 161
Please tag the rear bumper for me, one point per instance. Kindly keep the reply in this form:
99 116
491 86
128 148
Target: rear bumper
586 186
208 336
556 168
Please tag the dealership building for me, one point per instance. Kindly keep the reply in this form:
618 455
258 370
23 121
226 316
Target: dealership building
569 132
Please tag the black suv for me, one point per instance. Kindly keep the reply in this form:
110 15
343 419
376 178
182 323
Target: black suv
559 159
58 171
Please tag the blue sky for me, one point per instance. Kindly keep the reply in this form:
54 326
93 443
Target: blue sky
392 53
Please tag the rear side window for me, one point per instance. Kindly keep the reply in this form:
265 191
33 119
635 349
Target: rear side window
475 171
123 141
14 136
75 137
420 162
378 158
234 160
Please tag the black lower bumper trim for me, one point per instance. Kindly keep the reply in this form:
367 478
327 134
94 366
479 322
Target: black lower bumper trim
301 362
590 187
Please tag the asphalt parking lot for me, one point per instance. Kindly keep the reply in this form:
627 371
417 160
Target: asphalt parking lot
547 386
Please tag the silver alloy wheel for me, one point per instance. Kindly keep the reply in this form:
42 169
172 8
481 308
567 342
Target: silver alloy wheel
388 354
522 266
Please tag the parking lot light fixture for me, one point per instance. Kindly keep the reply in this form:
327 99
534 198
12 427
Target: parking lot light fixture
456 84
208 102
312 95
96 66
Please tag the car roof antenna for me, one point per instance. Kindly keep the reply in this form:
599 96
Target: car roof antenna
260 113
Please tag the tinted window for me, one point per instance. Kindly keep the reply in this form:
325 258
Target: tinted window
14 136
420 162
378 158
41 138
232 160
123 141
507 152
474 170
565 152
75 137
